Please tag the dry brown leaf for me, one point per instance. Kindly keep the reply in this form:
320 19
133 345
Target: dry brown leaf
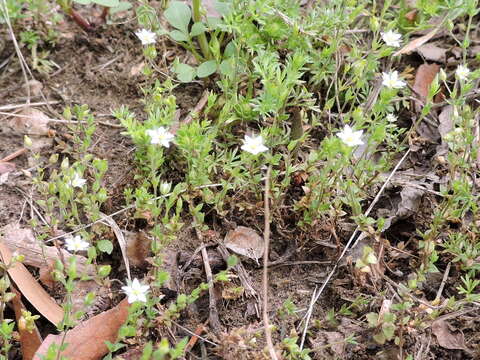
30 341
245 241
23 241
6 167
30 122
31 289
424 77
411 15
447 337
432 52
412 45
138 248
86 341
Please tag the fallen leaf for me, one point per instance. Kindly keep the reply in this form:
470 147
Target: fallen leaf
86 341
31 289
30 122
447 337
245 241
424 77
23 241
6 167
30 341
412 45
138 248
136 69
411 15
432 52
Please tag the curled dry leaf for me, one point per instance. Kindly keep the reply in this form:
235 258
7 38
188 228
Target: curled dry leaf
447 337
432 52
245 241
86 341
31 289
30 122
137 247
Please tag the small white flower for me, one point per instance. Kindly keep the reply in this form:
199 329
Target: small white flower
76 243
253 145
77 181
391 118
462 72
165 188
392 81
146 36
350 137
136 291
160 136
391 38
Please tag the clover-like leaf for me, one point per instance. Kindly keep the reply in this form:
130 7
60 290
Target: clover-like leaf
178 15
105 246
185 73
197 29
178 35
107 3
207 68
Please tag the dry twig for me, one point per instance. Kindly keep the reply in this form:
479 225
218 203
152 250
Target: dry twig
266 237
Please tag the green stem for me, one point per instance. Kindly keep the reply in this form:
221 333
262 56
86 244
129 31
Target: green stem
202 39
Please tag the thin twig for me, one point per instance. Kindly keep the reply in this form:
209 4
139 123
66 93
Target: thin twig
444 280
266 239
213 316
192 333
348 246
17 106
14 155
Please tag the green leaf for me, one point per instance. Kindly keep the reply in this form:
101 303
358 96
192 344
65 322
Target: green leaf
105 246
372 319
178 35
178 15
83 2
122 6
197 29
185 73
107 3
388 331
207 68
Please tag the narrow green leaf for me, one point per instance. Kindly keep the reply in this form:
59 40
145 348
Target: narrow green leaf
122 6
83 2
207 68
178 15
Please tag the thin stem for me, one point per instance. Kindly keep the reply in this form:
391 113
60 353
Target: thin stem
202 38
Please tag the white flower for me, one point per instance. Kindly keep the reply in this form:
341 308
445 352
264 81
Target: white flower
391 118
392 38
77 181
76 244
160 136
165 188
462 72
392 81
136 291
146 36
253 145
350 137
